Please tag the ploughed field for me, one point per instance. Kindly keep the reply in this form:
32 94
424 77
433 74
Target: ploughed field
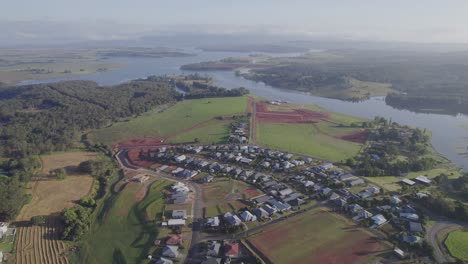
318 236
41 244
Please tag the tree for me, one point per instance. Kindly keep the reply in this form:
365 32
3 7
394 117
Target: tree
59 173
39 220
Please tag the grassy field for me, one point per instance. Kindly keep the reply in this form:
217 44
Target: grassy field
214 132
181 116
49 195
305 139
457 244
223 194
124 230
358 90
318 236
391 183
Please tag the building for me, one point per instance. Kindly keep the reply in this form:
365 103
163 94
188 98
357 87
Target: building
248 216
260 213
180 158
170 251
213 248
232 219
3 229
423 179
231 250
164 261
415 227
408 182
174 240
207 179
176 222
379 220
212 222
179 214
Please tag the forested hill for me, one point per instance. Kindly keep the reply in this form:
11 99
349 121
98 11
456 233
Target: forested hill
45 117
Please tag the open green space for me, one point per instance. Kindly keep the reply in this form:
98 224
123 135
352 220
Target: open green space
392 183
214 132
457 244
305 139
181 116
318 236
125 229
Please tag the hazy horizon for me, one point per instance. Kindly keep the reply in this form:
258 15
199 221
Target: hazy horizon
427 21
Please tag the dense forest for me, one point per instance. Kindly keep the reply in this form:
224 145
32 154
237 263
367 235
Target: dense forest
41 118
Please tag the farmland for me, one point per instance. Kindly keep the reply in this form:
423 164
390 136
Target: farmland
318 236
41 244
166 123
223 195
45 199
124 229
457 244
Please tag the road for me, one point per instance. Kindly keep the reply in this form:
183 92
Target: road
197 203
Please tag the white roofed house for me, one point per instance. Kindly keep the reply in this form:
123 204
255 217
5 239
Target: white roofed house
379 220
170 251
180 158
423 179
248 216
179 214
3 229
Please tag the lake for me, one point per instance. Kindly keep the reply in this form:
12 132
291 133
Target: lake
449 133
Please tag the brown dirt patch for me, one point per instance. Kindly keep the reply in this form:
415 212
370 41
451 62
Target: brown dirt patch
300 116
358 136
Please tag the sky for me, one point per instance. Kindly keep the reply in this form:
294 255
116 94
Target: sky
403 20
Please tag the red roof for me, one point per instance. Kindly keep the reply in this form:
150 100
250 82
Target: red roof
174 240
231 250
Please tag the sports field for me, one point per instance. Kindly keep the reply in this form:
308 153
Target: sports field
305 139
457 244
49 195
184 115
125 228
318 236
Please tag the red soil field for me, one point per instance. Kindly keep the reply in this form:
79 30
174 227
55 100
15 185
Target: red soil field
300 116
133 157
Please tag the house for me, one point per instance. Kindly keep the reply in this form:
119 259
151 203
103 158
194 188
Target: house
212 221
365 214
379 220
410 216
423 179
411 239
408 182
162 260
326 191
213 248
415 227
207 179
285 192
174 240
356 182
260 213
395 200
3 229
170 251
180 158
231 249
248 216
333 196
262 199
400 253
355 208
281 207
232 219
422 195
327 166
179 214
176 222
341 202
270 210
